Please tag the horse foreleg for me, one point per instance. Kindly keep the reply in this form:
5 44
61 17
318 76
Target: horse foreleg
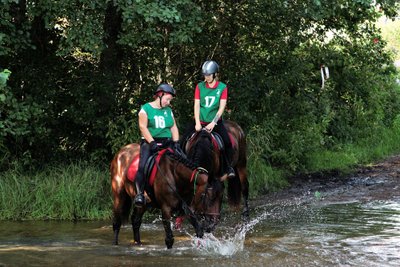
244 182
116 227
198 228
119 210
246 212
136 219
166 219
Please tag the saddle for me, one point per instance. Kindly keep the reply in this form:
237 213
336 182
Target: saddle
216 139
150 169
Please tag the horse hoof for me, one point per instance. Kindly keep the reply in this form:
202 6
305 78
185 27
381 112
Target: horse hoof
199 234
169 243
137 244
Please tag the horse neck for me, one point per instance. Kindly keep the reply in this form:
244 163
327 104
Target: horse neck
182 168
202 153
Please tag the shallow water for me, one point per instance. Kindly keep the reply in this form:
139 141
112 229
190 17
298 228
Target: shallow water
291 234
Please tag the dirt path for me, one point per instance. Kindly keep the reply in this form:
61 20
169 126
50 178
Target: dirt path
380 181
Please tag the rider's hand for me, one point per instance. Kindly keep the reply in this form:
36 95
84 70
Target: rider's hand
210 127
153 147
198 127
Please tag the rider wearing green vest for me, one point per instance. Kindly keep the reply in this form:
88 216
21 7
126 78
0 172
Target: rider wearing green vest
210 100
160 120
158 128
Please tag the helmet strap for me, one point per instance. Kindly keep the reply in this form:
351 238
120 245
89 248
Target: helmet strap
160 98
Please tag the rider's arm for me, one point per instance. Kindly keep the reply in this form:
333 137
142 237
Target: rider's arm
197 110
221 109
143 122
175 132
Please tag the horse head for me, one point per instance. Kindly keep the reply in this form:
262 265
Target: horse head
201 150
212 202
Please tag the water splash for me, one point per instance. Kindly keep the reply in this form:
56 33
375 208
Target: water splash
229 244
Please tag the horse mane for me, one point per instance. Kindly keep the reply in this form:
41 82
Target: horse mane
198 149
185 161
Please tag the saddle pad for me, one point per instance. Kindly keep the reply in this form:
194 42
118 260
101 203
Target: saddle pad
133 168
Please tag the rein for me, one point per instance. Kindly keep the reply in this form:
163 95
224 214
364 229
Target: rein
185 206
196 148
194 176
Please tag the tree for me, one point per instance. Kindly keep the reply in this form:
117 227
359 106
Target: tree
83 68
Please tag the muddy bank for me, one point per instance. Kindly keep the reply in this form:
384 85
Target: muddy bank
379 181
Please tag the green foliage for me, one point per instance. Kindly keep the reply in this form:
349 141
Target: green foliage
262 177
4 75
382 143
82 69
69 192
122 131
391 34
16 125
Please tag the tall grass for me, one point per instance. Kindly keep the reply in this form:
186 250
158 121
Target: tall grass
263 177
384 143
341 158
82 191
73 192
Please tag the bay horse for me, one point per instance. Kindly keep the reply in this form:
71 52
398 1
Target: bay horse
204 149
176 183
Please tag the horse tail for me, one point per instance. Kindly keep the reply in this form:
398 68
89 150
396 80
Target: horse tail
122 200
234 192
234 184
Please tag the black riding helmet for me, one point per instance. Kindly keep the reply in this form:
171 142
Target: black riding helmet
166 88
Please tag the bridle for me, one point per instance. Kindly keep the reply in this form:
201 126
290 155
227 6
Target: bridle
186 208
192 144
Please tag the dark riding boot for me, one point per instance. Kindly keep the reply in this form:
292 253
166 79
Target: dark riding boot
227 166
145 152
140 200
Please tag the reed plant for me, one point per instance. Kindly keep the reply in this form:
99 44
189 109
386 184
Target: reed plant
71 192
263 177
82 191
344 157
341 158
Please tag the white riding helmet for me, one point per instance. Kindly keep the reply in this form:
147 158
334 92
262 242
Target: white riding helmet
209 67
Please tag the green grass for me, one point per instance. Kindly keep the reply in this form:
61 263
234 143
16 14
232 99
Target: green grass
263 178
81 191
73 192
343 158
346 157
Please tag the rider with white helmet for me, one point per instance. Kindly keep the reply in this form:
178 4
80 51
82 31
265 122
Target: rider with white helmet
210 100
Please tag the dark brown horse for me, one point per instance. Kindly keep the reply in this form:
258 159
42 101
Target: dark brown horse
178 186
203 148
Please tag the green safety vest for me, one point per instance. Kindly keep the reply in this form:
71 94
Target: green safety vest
159 121
209 101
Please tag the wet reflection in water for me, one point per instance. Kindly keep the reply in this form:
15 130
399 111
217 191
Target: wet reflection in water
316 234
